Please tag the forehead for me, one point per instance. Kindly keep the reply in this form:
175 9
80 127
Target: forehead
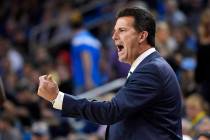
127 21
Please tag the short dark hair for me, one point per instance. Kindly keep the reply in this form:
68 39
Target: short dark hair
76 20
143 21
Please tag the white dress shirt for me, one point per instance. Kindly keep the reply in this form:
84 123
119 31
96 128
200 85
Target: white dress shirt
58 102
139 60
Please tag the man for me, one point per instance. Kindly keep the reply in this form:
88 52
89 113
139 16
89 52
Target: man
85 52
148 106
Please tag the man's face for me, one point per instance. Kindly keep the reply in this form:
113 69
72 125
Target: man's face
126 39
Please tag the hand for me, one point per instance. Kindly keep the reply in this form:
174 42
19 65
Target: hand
48 88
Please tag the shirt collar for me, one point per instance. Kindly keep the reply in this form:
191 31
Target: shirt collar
140 59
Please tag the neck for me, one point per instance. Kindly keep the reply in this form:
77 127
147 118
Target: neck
141 51
136 57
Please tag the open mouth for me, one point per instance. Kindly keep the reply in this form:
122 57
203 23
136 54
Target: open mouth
120 47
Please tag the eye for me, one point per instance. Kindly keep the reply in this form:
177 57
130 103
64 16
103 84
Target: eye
122 29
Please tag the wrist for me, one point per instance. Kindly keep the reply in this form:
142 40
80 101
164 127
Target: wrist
54 99
58 101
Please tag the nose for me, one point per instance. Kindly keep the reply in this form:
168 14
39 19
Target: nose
115 35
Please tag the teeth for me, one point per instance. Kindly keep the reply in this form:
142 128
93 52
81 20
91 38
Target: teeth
119 47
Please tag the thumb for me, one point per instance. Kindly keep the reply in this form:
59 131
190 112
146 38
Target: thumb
49 77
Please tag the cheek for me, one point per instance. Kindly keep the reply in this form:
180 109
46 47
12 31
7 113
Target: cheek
128 46
130 41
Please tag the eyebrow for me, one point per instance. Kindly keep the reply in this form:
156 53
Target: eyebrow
122 28
119 28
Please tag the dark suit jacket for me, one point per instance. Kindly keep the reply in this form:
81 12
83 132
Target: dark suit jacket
147 107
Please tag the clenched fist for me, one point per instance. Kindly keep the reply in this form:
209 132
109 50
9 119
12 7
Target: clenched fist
48 88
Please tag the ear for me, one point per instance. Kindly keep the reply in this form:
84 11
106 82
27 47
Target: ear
142 36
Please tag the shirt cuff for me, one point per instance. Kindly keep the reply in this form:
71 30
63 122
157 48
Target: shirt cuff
59 101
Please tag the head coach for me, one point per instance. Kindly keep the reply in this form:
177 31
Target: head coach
148 106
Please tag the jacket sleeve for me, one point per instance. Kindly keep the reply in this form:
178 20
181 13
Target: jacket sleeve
139 92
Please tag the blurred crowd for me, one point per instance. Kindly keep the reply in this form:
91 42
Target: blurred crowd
40 37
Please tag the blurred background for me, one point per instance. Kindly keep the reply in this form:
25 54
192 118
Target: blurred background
39 37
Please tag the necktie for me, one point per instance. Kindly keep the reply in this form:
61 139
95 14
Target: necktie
129 73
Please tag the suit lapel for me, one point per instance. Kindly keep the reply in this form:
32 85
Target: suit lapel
148 59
